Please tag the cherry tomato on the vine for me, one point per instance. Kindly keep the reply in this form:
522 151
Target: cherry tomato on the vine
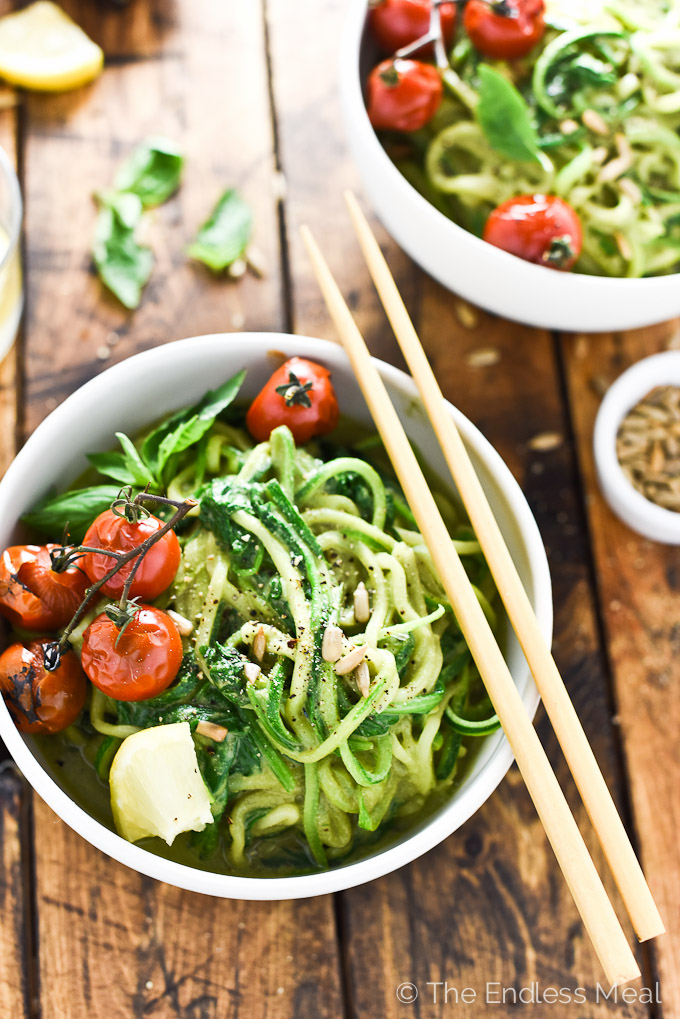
300 395
397 23
403 95
38 700
32 595
504 29
113 532
136 663
539 228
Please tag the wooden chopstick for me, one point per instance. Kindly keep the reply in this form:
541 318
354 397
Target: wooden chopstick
590 782
579 870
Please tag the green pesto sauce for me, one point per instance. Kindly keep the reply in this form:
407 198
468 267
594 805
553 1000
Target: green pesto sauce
69 759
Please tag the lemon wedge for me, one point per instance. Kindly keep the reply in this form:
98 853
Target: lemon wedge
41 48
156 786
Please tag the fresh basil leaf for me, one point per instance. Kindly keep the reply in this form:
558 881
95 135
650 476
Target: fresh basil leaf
124 266
188 426
76 508
152 172
505 118
135 463
113 465
224 237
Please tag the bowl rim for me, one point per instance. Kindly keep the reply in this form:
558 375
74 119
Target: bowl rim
571 284
434 830
631 506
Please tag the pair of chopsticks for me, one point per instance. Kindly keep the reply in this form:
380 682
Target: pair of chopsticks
591 899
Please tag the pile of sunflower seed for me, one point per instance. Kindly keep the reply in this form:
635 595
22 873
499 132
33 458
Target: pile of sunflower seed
648 446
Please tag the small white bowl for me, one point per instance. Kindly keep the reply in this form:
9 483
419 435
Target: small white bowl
643 516
138 391
468 265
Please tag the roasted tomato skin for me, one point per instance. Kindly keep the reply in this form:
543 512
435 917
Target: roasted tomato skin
137 663
32 595
504 29
158 567
403 95
538 228
282 402
397 23
41 701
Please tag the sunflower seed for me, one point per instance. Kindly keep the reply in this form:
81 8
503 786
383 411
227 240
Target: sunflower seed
363 678
331 645
362 607
184 625
259 644
350 660
546 441
251 671
217 733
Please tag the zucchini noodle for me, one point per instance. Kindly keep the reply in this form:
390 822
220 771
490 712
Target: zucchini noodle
297 560
602 90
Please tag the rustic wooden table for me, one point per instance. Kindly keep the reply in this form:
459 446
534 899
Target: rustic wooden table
249 90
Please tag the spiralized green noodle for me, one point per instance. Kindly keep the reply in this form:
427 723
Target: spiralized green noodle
283 541
615 64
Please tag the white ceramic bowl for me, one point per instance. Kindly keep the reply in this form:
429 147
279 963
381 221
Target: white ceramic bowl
128 397
643 516
464 263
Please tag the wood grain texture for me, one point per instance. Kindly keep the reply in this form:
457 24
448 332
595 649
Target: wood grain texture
17 992
16 969
116 943
638 583
111 942
9 371
74 144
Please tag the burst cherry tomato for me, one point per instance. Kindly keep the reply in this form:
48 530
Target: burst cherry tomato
397 23
300 395
539 228
41 701
504 29
137 663
158 567
32 595
403 95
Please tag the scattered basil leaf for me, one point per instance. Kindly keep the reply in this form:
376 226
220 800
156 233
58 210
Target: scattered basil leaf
152 172
124 266
224 237
188 427
76 508
505 118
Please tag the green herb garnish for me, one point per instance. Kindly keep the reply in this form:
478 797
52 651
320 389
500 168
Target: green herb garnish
224 237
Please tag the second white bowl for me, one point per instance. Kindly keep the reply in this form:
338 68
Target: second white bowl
468 265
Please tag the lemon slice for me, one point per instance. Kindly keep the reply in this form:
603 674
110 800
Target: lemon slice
41 48
156 787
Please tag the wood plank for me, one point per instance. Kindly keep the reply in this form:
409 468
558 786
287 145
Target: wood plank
9 365
16 965
489 904
17 990
114 942
638 585
77 140
111 941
